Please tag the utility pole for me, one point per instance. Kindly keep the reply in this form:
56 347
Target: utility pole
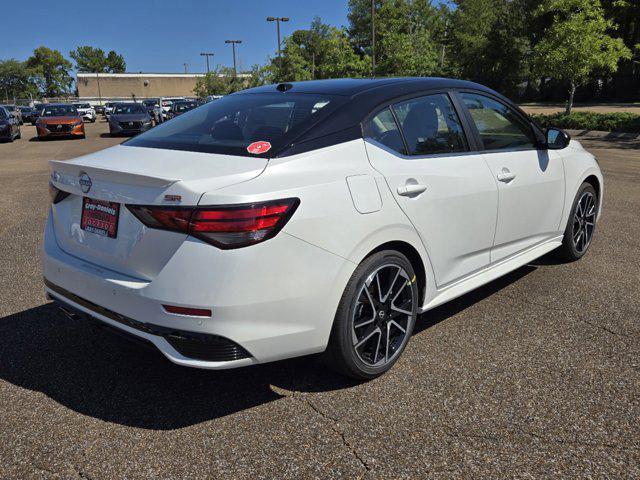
444 45
233 45
373 38
99 94
206 55
278 20
185 67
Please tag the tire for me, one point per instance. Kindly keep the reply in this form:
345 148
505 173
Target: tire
583 219
361 352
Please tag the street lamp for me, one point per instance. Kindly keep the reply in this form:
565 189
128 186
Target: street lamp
233 45
278 20
207 55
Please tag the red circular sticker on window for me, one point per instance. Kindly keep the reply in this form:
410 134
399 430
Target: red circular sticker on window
259 147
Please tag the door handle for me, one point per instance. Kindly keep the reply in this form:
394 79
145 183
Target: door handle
411 190
506 176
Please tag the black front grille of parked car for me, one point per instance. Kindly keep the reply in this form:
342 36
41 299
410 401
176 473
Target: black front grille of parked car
60 128
194 345
130 125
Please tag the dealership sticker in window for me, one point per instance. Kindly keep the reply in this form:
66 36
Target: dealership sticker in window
259 147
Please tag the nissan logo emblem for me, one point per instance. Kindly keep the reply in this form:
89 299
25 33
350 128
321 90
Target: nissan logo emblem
85 182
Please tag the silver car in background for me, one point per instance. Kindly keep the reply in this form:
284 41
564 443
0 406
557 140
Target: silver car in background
86 111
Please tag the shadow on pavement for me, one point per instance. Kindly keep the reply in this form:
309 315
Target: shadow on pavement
96 373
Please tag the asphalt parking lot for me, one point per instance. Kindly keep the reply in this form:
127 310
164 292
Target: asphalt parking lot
534 375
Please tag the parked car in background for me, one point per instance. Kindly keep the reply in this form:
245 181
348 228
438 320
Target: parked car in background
211 98
108 108
167 102
310 217
35 112
60 120
9 126
99 109
15 111
27 113
180 107
129 119
153 107
86 111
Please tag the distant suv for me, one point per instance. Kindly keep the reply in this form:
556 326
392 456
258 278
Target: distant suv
86 111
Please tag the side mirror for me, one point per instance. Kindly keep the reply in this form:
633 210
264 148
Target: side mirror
557 139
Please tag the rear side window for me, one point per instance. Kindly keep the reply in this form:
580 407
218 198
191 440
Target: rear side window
500 128
430 125
383 129
234 122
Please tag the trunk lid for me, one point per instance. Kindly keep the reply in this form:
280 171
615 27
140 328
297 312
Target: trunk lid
140 176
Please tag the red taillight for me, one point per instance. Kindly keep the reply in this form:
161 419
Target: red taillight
223 226
194 312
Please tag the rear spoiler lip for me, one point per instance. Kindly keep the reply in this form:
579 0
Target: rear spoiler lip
66 174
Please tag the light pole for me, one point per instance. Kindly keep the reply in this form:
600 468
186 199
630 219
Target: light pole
278 20
207 55
185 67
233 45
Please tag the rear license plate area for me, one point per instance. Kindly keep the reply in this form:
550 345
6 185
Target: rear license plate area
100 217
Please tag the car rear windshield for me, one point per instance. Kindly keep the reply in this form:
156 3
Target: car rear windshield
234 122
184 106
3 114
149 103
82 105
59 111
127 109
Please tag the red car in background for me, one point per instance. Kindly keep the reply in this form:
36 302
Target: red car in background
59 120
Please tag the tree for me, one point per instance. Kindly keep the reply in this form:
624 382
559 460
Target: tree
116 63
50 71
15 80
410 35
576 44
323 51
222 81
93 60
492 41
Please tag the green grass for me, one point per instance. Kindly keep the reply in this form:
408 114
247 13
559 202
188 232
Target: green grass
607 122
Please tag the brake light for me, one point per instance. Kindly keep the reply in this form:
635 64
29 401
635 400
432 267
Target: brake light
226 227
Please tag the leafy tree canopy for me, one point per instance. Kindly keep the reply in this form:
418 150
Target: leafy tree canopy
91 60
15 80
50 71
577 43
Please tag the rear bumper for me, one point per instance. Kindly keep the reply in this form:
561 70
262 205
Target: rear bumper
273 300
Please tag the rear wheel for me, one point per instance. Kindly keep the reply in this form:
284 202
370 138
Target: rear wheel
581 225
375 317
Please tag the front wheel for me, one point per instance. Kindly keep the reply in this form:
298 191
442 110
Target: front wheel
581 224
375 317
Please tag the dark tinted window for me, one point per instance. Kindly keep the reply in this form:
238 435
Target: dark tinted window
59 111
383 129
82 105
430 125
499 126
184 106
4 114
129 108
231 124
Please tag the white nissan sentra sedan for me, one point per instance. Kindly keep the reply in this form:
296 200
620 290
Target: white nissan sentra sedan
311 217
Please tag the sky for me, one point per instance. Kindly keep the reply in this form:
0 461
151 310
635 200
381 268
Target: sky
161 35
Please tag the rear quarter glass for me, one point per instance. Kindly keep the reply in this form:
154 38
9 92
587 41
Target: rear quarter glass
233 123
